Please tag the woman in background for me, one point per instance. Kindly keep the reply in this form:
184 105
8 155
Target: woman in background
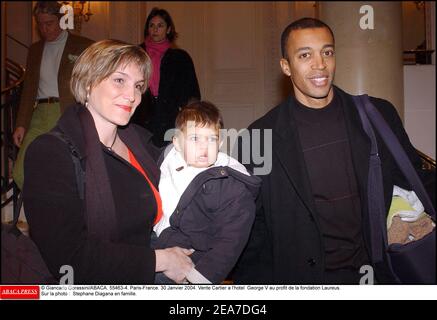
173 82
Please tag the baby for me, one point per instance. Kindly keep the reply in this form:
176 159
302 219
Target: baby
208 197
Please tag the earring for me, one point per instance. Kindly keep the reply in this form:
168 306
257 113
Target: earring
87 98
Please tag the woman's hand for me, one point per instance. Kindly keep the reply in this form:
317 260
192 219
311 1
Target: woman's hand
174 262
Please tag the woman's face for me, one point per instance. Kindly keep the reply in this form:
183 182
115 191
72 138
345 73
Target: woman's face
158 29
114 100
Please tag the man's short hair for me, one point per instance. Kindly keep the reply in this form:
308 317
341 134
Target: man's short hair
202 113
103 58
304 23
49 7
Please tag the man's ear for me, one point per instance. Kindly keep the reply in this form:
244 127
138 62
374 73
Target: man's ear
285 67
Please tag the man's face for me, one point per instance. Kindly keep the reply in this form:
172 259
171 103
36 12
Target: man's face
311 65
48 25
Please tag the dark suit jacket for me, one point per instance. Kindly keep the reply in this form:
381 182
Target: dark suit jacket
286 244
73 48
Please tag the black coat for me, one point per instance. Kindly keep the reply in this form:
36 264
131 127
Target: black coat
106 239
177 86
286 245
214 216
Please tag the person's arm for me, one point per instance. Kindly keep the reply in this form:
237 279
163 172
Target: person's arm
28 94
57 222
189 83
255 262
230 227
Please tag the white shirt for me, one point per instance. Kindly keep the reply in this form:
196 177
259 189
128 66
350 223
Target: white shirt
173 182
51 59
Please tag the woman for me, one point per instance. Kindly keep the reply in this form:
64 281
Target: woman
105 238
173 82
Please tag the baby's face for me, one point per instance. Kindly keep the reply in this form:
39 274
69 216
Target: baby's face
198 145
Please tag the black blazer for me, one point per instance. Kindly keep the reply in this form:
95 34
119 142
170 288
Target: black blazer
177 86
118 203
286 244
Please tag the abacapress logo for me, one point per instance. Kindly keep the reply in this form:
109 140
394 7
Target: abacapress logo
19 292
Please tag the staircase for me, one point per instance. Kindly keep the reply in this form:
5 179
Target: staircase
10 99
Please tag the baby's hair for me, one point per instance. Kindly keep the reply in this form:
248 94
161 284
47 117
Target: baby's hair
202 113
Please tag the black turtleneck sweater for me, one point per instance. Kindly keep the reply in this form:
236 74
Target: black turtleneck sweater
328 159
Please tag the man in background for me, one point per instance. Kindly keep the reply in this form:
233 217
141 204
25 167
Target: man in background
46 91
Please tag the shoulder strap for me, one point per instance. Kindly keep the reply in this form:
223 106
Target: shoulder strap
375 190
80 173
398 153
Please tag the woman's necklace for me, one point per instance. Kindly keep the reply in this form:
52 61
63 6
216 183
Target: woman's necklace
113 142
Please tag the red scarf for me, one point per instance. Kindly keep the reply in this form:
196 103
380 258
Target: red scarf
156 52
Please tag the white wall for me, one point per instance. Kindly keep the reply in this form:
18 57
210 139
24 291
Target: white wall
420 105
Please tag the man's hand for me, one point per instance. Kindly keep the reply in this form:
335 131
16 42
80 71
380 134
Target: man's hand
18 136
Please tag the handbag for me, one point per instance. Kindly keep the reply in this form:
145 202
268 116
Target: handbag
22 262
414 262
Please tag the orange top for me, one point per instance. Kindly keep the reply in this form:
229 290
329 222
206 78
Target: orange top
133 161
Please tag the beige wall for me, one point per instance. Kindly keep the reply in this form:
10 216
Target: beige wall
235 49
368 60
19 28
3 54
235 46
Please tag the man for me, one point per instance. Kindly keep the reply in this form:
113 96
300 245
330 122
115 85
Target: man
46 91
312 223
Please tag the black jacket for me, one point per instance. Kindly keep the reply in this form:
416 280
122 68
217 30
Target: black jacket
286 244
214 216
177 86
106 239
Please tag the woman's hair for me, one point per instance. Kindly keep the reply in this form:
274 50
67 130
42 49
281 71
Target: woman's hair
172 35
102 59
202 113
49 7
